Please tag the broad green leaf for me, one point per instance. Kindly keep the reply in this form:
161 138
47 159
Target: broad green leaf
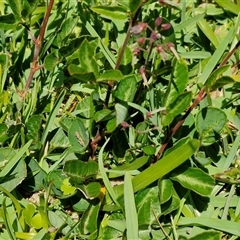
67 188
66 29
86 110
149 150
80 171
15 177
126 61
126 89
165 187
3 131
78 136
111 125
121 113
147 202
130 208
208 125
81 73
72 46
134 5
91 190
162 167
17 8
208 235
86 55
175 108
51 61
172 204
178 83
196 180
7 22
214 76
28 7
60 140
111 12
89 219
222 81
212 223
102 114
110 75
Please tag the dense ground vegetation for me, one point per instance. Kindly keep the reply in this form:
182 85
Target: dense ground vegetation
119 119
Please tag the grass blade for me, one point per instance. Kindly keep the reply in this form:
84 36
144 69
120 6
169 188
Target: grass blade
130 208
219 224
213 61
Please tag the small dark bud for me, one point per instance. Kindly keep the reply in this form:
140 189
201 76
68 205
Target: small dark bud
154 36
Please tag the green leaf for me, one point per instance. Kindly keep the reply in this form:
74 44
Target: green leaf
51 61
91 190
80 171
207 30
127 88
196 180
212 223
66 29
14 160
78 136
213 61
86 55
214 76
17 8
222 81
110 75
137 163
165 187
178 83
229 6
7 22
89 219
102 114
81 73
3 131
177 107
28 7
60 140
208 235
130 208
164 166
121 113
171 205
147 202
126 61
111 12
208 125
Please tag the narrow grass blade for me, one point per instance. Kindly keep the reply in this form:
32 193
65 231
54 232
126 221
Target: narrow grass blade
12 162
213 61
104 175
6 220
229 6
162 167
188 22
207 30
51 119
130 208
218 224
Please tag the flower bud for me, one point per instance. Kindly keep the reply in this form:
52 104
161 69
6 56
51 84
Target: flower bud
135 30
141 40
158 21
136 51
165 26
154 36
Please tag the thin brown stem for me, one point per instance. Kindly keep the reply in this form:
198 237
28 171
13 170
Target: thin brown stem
38 43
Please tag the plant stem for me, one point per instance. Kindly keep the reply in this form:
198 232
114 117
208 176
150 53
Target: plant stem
38 43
